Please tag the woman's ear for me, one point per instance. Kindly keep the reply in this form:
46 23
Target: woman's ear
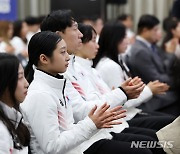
43 59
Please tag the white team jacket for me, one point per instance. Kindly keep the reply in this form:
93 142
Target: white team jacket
6 141
50 119
107 66
82 100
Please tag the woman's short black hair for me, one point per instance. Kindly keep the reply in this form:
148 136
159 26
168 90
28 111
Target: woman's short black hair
87 31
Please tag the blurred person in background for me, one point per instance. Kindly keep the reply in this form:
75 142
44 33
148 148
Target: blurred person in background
145 62
6 32
98 24
86 20
19 41
33 26
175 12
171 41
127 21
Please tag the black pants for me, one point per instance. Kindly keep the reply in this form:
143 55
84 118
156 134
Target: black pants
117 146
146 125
141 131
152 120
121 144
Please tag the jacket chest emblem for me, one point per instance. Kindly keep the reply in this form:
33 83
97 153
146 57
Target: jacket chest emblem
60 101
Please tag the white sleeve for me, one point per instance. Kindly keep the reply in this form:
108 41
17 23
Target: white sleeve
82 107
40 111
114 98
18 45
145 95
5 145
111 74
116 78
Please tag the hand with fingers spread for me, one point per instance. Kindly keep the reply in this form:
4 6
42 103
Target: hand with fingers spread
158 87
136 80
133 87
105 117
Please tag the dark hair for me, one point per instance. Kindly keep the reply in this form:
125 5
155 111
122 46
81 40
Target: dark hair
94 18
41 18
123 17
176 74
147 21
41 43
172 24
111 34
57 21
32 20
9 66
84 18
87 31
166 22
17 27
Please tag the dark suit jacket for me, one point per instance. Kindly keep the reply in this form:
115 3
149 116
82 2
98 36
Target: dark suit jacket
149 66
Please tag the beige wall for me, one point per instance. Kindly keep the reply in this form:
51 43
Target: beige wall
33 8
160 8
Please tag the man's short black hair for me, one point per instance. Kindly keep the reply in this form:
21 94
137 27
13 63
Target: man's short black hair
32 20
57 21
147 21
123 17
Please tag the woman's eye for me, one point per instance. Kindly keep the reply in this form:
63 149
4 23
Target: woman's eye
63 52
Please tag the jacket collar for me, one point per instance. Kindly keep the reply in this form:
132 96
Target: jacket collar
14 115
84 62
141 39
54 82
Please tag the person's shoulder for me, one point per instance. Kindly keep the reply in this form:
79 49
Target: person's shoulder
107 62
3 128
16 39
107 65
4 133
138 46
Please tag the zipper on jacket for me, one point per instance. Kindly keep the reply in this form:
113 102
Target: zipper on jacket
63 92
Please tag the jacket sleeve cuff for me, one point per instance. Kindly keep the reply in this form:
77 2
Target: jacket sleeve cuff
124 92
90 123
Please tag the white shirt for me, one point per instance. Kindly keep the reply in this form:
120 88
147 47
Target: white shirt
3 46
18 44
